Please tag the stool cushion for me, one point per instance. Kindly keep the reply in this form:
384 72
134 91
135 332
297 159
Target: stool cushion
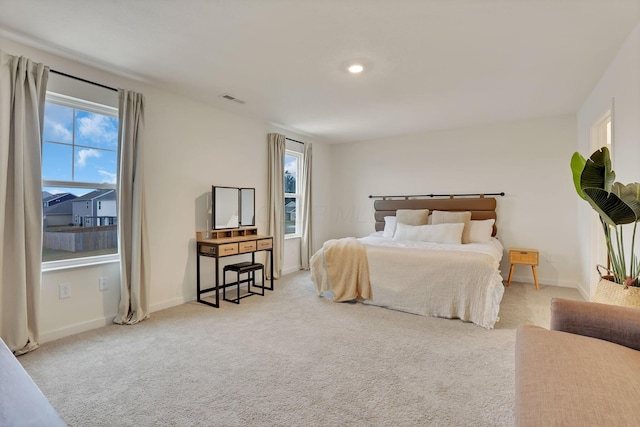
243 267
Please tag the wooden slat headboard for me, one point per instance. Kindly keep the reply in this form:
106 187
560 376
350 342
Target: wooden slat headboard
480 208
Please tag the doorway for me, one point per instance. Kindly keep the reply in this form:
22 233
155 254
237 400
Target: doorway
601 136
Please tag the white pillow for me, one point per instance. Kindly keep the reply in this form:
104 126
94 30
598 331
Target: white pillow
449 217
389 226
439 233
480 231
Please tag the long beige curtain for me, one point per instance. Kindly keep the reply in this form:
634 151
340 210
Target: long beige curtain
132 226
306 242
23 85
275 200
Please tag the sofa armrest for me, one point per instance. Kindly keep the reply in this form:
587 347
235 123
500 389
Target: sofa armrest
620 325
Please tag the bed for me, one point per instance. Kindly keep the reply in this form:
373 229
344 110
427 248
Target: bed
417 263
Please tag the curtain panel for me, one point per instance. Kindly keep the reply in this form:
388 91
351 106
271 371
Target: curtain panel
306 242
275 200
133 244
23 85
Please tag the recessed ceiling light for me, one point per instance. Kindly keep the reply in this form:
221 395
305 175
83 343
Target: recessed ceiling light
355 68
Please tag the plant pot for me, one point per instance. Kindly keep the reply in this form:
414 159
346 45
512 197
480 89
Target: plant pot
610 292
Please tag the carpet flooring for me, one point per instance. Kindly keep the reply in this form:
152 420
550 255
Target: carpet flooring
291 358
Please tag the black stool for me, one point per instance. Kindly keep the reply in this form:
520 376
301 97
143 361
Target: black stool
240 268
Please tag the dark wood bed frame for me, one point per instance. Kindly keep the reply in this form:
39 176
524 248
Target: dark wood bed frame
480 207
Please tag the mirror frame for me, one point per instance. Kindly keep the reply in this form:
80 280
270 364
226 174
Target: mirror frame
214 205
240 212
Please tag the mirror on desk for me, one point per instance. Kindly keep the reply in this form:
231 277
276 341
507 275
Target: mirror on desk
247 207
232 207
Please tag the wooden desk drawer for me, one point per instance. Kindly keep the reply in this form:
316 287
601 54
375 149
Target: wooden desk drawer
247 247
523 256
207 250
228 249
265 244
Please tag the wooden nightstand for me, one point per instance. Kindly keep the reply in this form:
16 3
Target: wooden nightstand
523 257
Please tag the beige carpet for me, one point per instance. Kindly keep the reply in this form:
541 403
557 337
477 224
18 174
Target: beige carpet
290 359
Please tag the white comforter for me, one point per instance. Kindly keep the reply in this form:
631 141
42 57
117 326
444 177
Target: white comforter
430 279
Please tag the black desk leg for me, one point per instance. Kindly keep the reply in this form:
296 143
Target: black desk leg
217 283
198 272
271 266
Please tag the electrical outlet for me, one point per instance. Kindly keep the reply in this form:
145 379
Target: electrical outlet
549 258
64 290
103 285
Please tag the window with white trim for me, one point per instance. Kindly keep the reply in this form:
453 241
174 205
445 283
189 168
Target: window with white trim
79 172
292 172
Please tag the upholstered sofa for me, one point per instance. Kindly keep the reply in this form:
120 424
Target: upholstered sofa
585 371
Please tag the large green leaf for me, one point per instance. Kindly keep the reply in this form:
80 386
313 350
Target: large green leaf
597 172
577 166
611 208
616 203
630 195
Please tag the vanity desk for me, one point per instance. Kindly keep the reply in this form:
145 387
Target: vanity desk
229 242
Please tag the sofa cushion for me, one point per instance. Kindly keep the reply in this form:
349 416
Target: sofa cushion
620 325
566 379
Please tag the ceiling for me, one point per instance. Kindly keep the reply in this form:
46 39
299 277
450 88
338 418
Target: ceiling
431 64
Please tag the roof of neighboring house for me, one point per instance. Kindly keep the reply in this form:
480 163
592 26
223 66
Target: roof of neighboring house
53 197
62 208
98 194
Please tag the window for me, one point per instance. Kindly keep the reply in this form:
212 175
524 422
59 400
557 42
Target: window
79 169
292 168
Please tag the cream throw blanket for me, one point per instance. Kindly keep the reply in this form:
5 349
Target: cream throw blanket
348 269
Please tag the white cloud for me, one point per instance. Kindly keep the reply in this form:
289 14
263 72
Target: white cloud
83 155
57 131
98 127
109 178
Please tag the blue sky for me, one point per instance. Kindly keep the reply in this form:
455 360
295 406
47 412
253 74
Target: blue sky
84 149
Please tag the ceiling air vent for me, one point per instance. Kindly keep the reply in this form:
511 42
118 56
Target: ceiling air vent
231 98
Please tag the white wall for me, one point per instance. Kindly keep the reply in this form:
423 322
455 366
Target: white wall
189 146
619 87
528 160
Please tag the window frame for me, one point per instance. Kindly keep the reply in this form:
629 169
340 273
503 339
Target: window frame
297 195
92 107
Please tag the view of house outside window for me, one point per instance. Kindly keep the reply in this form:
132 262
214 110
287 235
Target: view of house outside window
292 164
79 170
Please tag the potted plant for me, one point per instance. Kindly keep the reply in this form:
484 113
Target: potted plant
617 205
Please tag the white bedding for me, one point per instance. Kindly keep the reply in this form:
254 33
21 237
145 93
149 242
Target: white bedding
431 279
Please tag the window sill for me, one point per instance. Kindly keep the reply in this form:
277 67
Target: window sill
79 262
292 236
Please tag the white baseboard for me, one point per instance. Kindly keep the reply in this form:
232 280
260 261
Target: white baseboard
544 281
171 303
291 270
99 323
75 329
560 283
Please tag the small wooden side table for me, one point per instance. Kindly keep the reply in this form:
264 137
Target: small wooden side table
524 257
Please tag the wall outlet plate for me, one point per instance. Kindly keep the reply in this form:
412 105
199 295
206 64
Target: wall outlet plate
103 285
64 290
